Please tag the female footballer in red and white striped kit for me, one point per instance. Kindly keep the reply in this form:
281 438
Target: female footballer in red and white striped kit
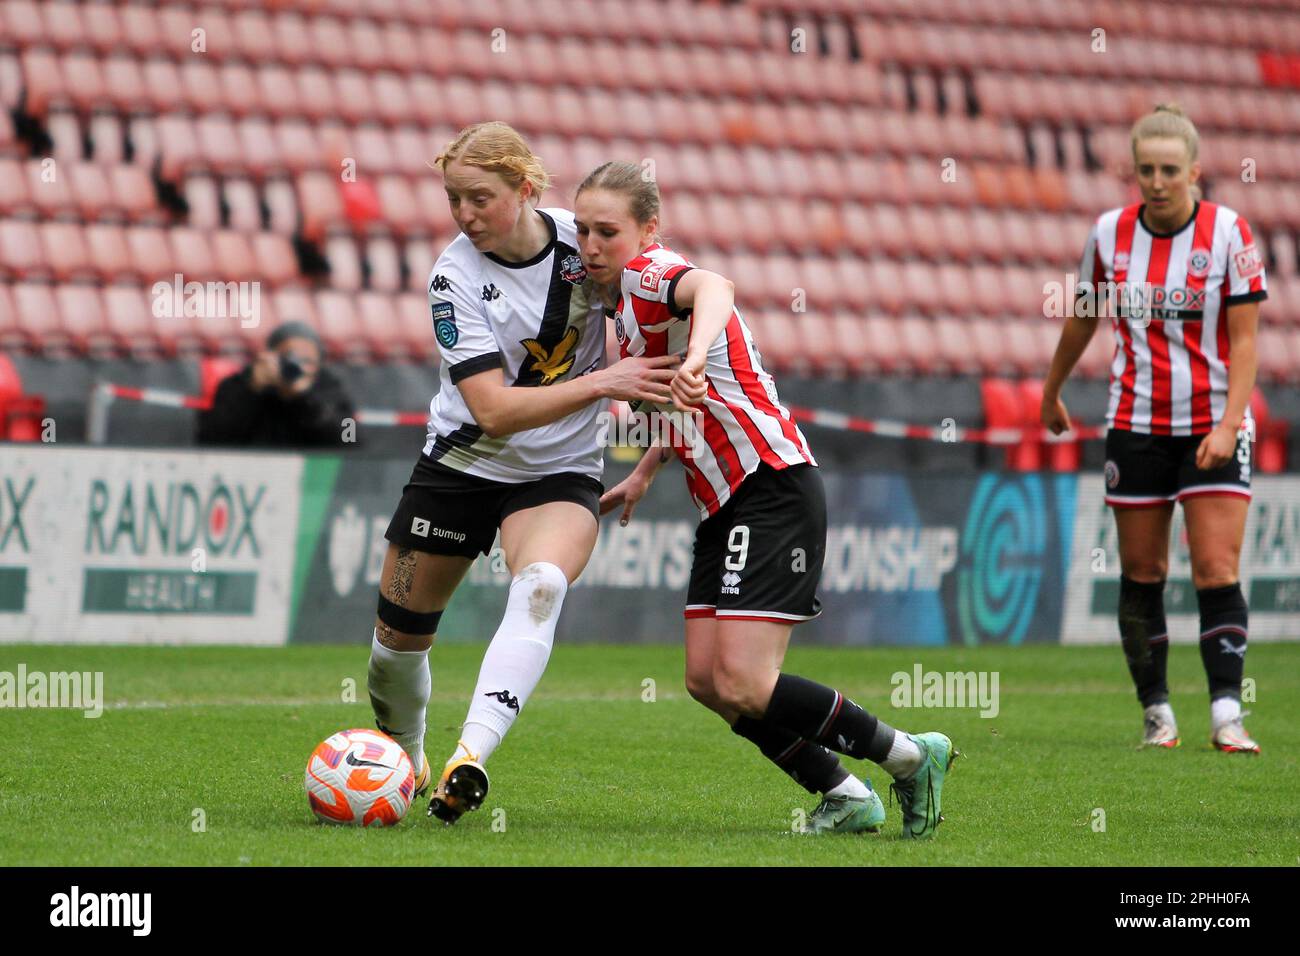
762 538
1182 281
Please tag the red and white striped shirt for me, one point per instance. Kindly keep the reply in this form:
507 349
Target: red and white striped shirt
744 422
1169 375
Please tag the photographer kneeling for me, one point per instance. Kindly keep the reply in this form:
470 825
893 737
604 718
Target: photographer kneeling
283 399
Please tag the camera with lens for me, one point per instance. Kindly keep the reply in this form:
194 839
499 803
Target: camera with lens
291 369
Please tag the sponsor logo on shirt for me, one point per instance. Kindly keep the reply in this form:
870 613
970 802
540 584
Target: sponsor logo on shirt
554 362
1249 263
652 274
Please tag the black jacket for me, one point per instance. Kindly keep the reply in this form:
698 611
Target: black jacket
240 416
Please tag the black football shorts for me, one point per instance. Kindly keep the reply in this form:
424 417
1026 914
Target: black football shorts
1145 470
759 557
444 511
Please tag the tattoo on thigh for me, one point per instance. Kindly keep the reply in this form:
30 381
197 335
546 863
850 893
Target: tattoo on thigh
399 585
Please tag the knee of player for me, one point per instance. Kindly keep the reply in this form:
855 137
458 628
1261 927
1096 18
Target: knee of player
737 688
699 684
543 586
1150 571
1217 574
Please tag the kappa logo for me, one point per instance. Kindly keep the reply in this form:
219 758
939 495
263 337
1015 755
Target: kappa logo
556 362
490 292
652 274
440 284
1198 263
1248 262
505 697
572 270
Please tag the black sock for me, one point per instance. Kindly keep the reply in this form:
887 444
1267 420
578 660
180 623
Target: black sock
1223 638
810 765
818 713
1144 637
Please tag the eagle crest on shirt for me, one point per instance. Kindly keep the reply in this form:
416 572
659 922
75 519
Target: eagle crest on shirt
556 362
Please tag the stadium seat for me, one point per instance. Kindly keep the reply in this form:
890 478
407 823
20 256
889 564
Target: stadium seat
39 314
82 318
21 414
20 249
65 251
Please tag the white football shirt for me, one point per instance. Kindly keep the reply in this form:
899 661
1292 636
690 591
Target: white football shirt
534 321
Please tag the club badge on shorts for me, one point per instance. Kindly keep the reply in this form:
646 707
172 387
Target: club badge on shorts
1111 472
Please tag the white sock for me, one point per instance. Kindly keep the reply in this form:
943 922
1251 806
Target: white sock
904 757
851 787
1224 710
515 659
399 685
1161 711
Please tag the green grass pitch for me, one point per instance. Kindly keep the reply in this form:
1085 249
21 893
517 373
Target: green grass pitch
594 774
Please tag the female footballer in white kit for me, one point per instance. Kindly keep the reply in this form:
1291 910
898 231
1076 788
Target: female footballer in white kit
512 445
1179 425
761 542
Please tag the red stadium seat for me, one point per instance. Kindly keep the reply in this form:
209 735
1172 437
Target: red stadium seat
340 326
108 251
883 338
276 259
151 254
14 195
82 312
20 249
130 320
39 314
954 347
21 415
14 336
50 188
413 326
65 251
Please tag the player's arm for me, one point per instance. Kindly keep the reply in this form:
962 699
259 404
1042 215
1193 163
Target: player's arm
1079 328
1244 287
633 488
500 409
710 298
1220 445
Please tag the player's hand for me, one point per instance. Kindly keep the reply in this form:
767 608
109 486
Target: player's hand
689 385
1054 416
640 379
266 371
1216 448
626 493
